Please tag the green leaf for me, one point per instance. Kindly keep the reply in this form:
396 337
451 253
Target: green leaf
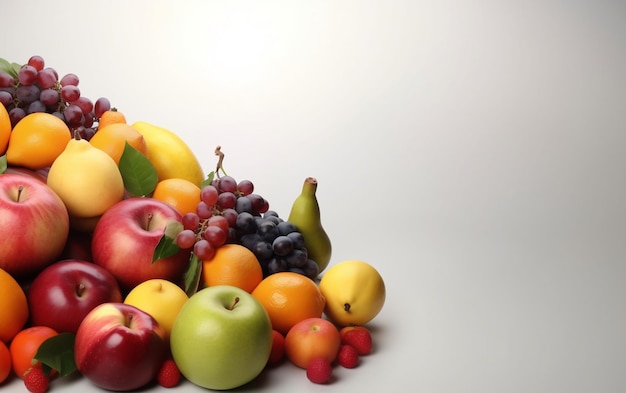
167 244
15 69
139 175
5 66
192 275
57 353
3 163
208 181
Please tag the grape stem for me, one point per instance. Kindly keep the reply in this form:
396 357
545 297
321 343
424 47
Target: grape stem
220 162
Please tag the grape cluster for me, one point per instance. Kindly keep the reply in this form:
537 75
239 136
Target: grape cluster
37 88
230 212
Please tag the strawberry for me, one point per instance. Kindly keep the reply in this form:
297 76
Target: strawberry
359 337
169 374
319 370
348 356
35 380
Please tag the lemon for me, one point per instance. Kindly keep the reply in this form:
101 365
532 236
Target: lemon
354 292
170 155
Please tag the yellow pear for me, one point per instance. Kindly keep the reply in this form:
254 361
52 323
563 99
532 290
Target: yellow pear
86 178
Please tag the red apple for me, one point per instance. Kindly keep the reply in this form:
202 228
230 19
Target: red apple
126 236
34 225
119 347
65 292
312 338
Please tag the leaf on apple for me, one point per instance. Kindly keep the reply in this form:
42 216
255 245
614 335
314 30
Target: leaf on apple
192 275
57 353
167 244
139 175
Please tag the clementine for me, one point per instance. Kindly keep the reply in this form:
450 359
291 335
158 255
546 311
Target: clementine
235 265
289 298
181 194
25 345
13 307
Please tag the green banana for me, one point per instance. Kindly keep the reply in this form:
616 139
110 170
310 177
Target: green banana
305 215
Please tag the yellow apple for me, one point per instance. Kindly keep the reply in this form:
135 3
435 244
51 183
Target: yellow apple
160 298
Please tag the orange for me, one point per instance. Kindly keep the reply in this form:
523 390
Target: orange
5 129
37 140
5 361
181 194
25 345
111 116
289 298
112 138
13 307
235 265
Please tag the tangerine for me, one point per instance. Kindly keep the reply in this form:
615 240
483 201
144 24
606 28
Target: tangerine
13 307
5 362
289 298
25 345
112 116
5 129
232 264
112 139
37 140
181 194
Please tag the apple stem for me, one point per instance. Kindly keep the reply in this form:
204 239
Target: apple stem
149 220
129 320
346 307
80 289
234 303
20 188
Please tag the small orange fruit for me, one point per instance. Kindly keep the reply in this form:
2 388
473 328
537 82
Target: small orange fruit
5 362
37 140
289 298
13 307
25 345
5 129
232 264
112 139
181 194
112 116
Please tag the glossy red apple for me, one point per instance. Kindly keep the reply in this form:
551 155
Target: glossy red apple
119 347
126 236
65 292
34 225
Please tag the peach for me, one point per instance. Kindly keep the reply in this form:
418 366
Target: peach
312 338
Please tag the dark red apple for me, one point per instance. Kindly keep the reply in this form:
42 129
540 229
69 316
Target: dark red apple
119 347
65 292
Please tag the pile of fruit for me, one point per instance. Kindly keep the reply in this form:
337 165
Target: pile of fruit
122 262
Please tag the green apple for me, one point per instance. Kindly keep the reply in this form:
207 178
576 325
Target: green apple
221 338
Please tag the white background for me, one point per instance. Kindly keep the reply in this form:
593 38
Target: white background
472 151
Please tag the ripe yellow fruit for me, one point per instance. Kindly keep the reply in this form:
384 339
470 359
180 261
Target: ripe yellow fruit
354 292
162 299
170 155
86 178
